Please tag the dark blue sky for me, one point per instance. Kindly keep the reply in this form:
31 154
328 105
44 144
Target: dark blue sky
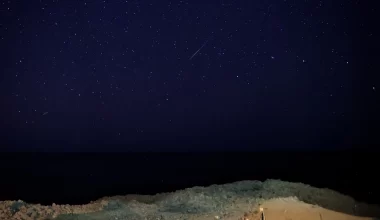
182 75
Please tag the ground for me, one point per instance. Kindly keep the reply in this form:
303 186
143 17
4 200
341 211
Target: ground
245 200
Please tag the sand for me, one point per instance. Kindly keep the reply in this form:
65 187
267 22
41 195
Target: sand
292 209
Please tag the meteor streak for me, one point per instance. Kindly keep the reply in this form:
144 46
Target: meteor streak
198 50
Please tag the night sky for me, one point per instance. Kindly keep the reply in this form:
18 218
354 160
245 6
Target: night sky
137 75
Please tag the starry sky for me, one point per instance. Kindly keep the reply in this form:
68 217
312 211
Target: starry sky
131 75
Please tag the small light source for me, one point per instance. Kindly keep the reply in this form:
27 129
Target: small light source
262 213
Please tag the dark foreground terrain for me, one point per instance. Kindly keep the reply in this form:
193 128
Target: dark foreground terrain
239 200
186 185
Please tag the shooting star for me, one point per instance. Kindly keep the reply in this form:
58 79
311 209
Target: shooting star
198 50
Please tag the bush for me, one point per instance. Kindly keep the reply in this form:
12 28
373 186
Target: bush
113 205
16 206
